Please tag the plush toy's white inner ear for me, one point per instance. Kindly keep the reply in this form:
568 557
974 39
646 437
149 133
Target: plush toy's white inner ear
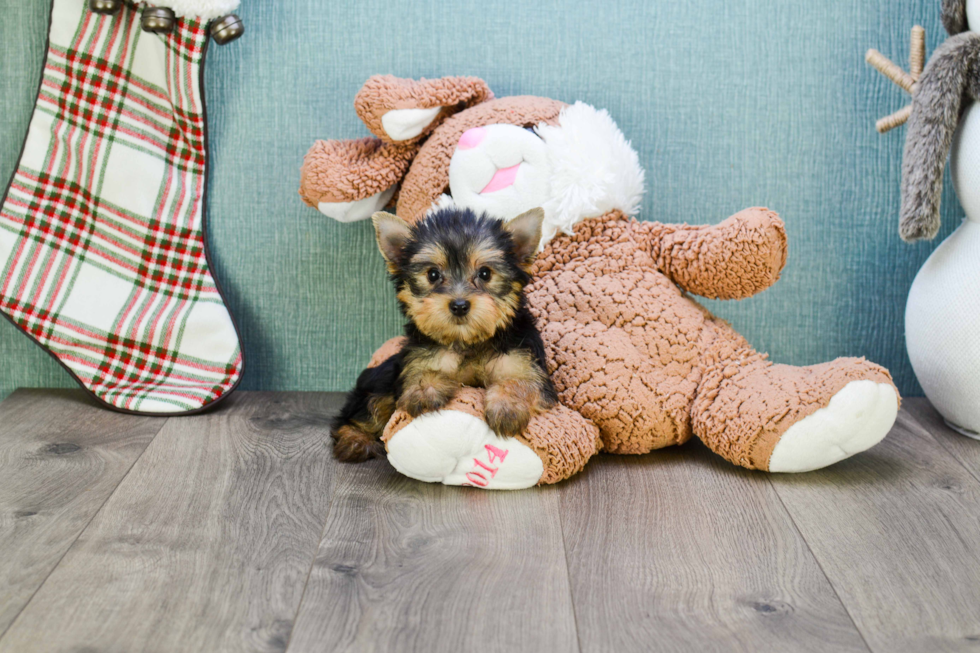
973 15
405 124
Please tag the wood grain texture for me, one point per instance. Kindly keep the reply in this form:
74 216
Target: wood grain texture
206 544
680 551
406 566
235 531
964 449
61 456
897 532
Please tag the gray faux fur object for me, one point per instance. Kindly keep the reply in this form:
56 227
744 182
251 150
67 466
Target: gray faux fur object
952 75
954 16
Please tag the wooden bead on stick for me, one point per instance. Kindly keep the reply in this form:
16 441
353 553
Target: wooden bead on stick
897 119
917 53
908 81
889 69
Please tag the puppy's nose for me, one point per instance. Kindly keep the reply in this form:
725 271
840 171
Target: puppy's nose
459 307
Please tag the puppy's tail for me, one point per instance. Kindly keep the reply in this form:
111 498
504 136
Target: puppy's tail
357 430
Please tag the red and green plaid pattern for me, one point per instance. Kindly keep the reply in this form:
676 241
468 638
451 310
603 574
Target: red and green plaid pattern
102 257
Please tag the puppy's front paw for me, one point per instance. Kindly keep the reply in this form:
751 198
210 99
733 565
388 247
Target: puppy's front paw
512 403
426 397
507 418
352 445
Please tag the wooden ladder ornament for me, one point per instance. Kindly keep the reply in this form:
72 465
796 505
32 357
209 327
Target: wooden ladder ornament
909 81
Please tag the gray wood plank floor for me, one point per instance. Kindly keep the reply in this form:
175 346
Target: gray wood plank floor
61 456
204 546
408 566
236 531
683 552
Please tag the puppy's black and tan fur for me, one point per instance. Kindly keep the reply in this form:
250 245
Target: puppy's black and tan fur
460 281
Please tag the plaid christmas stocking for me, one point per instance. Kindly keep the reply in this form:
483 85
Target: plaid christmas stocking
103 257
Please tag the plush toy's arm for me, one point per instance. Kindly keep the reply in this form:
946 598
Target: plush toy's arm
734 259
387 350
350 180
952 73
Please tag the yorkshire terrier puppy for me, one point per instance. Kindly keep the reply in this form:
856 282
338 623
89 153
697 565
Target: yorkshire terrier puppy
460 281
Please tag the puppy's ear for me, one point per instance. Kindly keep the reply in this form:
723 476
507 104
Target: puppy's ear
393 234
525 230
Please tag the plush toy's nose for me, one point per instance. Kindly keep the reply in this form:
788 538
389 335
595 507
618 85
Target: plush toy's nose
471 138
459 307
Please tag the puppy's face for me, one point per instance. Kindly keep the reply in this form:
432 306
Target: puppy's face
459 277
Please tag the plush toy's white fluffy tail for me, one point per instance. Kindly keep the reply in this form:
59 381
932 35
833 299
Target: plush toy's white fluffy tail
594 168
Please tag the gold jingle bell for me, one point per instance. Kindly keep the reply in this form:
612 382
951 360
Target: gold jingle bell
226 29
105 7
158 20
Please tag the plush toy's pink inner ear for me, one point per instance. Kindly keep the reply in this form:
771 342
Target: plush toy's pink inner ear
471 138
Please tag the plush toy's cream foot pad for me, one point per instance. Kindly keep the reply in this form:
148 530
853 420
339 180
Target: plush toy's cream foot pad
858 417
456 448
359 210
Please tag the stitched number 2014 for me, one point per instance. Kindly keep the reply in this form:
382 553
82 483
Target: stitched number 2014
494 455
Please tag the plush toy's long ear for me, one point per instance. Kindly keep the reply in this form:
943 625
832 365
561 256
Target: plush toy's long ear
954 16
951 75
405 111
350 180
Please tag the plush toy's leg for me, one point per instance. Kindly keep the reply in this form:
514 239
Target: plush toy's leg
610 376
454 446
782 418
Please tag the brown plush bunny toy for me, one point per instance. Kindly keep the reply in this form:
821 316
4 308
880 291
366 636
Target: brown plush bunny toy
637 363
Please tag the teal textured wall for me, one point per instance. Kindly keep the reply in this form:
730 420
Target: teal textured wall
729 104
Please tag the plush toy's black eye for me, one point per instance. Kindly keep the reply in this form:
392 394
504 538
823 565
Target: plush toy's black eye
485 273
434 275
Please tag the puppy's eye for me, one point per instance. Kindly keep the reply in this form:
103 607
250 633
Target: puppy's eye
433 275
485 273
